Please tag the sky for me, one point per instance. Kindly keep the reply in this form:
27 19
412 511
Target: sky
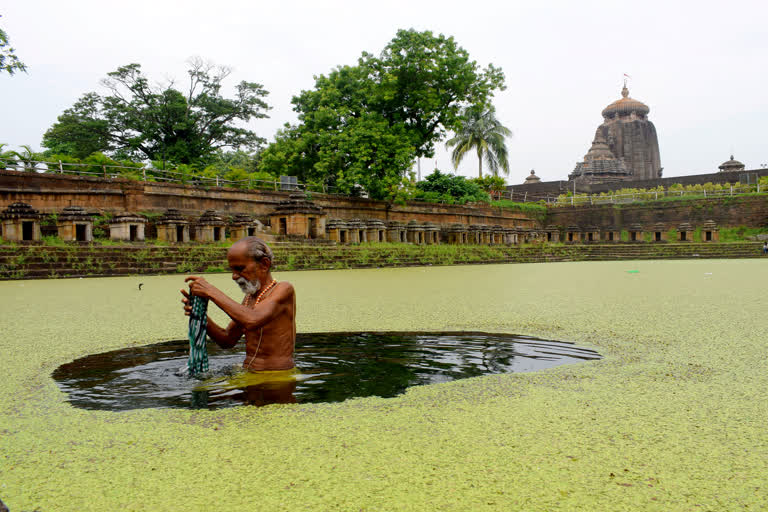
700 66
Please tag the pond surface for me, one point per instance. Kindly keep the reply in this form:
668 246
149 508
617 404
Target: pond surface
332 368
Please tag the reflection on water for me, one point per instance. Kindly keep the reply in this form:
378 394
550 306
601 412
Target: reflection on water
333 367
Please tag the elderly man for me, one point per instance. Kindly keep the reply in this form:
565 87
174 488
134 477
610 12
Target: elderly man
267 314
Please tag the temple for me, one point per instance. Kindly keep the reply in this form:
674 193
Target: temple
625 146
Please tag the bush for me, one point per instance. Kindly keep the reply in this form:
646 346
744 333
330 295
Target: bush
446 188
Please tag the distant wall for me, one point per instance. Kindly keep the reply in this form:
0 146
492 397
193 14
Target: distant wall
750 211
51 192
555 188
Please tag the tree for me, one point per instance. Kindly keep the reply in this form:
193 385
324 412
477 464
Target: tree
449 189
141 122
494 185
363 125
482 132
9 62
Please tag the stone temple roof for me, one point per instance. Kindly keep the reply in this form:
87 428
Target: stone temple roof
20 211
298 203
731 165
532 178
625 106
600 161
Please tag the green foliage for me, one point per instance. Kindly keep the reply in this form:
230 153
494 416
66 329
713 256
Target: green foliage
9 62
482 132
447 188
361 126
494 185
741 233
140 121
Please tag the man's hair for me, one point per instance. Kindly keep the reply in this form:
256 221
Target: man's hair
256 248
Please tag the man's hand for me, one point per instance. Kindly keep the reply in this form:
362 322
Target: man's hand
200 287
185 301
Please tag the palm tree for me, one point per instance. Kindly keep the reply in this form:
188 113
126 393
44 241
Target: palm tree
27 158
484 133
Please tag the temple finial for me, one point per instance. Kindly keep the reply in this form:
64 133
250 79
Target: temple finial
624 90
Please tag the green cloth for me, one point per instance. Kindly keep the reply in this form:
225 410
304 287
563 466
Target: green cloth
198 321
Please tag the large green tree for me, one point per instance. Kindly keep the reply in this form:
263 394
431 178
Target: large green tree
143 122
363 125
481 132
9 62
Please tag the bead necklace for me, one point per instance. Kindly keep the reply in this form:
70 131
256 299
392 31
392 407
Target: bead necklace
249 299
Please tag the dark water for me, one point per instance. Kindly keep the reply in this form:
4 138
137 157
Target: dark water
333 367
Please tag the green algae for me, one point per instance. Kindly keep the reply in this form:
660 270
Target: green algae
672 419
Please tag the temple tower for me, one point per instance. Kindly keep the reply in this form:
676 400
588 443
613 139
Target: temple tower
631 140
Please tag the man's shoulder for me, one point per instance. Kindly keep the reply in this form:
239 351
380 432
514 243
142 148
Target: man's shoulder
284 288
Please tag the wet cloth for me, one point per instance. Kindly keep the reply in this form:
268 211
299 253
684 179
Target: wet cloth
243 379
198 323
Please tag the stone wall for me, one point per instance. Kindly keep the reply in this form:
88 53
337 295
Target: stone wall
750 211
555 188
50 193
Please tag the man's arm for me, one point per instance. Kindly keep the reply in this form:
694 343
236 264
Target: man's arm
246 317
224 337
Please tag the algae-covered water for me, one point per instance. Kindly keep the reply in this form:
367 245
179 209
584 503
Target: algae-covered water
673 417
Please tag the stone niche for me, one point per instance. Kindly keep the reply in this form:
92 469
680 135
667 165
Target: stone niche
244 225
172 227
431 233
659 233
298 216
210 227
572 234
710 232
74 224
611 234
375 231
455 234
685 232
396 231
356 229
20 222
337 231
415 232
635 233
523 235
510 236
497 235
591 234
475 235
128 227
552 235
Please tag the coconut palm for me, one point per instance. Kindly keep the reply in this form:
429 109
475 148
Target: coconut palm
484 133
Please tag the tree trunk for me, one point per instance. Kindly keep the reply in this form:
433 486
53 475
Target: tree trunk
480 162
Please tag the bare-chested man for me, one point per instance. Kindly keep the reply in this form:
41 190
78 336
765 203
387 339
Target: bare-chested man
267 315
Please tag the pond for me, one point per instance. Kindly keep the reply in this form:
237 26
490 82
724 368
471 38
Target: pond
333 367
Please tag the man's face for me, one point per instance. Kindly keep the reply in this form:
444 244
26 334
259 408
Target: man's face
248 274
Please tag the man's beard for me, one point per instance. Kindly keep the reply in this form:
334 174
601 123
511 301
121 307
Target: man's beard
248 287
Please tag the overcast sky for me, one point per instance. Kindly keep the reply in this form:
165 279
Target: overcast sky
701 67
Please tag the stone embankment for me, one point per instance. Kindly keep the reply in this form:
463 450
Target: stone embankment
40 262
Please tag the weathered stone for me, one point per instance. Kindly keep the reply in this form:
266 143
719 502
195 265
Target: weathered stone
20 222
298 216
75 224
731 166
128 227
625 146
172 227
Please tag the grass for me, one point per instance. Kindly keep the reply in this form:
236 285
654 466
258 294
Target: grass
741 233
671 420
